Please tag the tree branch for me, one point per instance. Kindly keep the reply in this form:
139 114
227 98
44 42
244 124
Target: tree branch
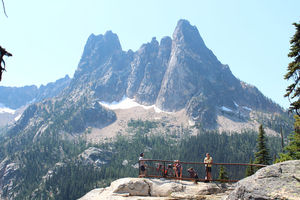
4 8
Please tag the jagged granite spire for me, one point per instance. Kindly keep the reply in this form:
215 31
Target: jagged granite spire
97 50
192 66
103 68
187 35
144 57
154 72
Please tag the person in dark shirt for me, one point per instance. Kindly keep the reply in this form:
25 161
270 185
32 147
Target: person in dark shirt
193 174
142 165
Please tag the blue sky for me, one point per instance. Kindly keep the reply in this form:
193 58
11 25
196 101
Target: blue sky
47 38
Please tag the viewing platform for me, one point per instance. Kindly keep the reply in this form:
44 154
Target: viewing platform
166 169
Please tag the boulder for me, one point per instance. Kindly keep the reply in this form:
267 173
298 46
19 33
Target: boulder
131 186
142 188
278 181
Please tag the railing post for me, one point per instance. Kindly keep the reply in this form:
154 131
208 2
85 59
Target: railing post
139 168
164 174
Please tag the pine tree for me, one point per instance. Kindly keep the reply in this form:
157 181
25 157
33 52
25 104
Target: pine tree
250 169
262 155
293 90
293 148
222 174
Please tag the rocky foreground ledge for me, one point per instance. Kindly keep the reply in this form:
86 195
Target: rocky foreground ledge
279 181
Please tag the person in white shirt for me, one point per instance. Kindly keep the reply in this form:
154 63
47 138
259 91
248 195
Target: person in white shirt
207 160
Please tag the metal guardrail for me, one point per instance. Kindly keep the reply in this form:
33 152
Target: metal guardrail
165 169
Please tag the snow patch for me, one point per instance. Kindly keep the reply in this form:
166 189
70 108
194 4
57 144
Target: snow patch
127 103
192 123
247 108
7 110
236 105
32 101
156 109
18 117
226 109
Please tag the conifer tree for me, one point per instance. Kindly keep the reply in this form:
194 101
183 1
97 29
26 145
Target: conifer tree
250 169
222 174
262 155
293 148
293 71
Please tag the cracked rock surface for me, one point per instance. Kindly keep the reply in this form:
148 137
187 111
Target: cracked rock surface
142 188
278 181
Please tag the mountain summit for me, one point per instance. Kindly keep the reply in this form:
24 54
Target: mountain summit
175 74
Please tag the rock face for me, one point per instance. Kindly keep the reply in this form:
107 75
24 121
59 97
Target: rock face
95 156
279 181
139 188
178 73
103 69
148 70
8 177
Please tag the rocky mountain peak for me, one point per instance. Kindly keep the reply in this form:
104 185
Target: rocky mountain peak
148 48
154 41
166 42
187 35
113 40
97 50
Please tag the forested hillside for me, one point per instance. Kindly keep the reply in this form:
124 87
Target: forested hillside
52 168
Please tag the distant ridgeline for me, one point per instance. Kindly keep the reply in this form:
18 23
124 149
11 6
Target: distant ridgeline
49 152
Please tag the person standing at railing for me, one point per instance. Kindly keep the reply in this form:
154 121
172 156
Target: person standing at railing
193 174
207 160
178 169
142 165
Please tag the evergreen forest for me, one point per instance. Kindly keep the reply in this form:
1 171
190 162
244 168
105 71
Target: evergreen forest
51 169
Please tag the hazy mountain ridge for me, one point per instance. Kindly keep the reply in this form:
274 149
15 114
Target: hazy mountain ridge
16 97
14 100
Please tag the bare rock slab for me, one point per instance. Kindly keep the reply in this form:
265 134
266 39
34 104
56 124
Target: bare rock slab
278 181
142 188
